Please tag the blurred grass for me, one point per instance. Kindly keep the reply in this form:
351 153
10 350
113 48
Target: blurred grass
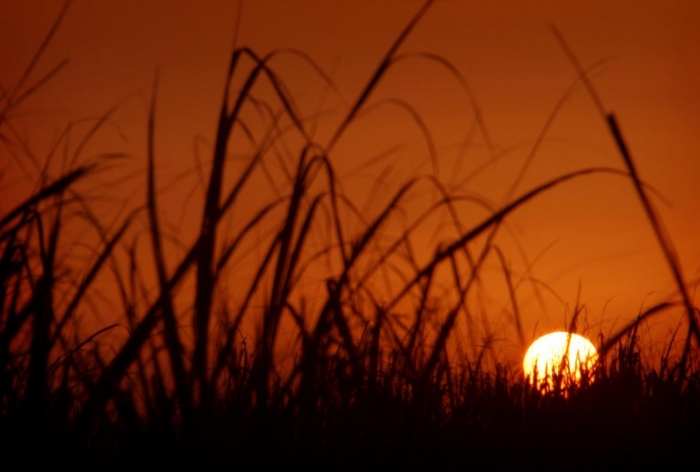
373 363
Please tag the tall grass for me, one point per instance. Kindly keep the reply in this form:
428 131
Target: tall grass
375 362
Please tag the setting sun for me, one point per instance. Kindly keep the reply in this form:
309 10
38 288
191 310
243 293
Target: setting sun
543 359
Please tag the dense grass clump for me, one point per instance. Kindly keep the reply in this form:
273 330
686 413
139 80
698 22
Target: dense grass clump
367 363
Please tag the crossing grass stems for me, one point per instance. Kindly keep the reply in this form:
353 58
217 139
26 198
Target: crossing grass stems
361 378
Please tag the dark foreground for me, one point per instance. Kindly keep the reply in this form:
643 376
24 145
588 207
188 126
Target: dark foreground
623 419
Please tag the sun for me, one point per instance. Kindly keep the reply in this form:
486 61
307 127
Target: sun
543 359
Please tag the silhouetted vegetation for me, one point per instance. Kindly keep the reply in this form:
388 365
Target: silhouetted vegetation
357 370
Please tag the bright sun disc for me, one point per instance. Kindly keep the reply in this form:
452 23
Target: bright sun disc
545 355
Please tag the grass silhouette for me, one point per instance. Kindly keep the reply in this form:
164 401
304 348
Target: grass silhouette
186 388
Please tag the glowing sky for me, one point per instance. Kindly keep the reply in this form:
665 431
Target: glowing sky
592 231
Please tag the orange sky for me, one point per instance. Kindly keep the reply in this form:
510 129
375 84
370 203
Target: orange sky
592 231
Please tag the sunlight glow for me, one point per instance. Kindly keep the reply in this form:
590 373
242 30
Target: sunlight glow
543 359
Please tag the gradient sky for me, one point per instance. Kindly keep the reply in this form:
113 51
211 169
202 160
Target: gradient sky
591 232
